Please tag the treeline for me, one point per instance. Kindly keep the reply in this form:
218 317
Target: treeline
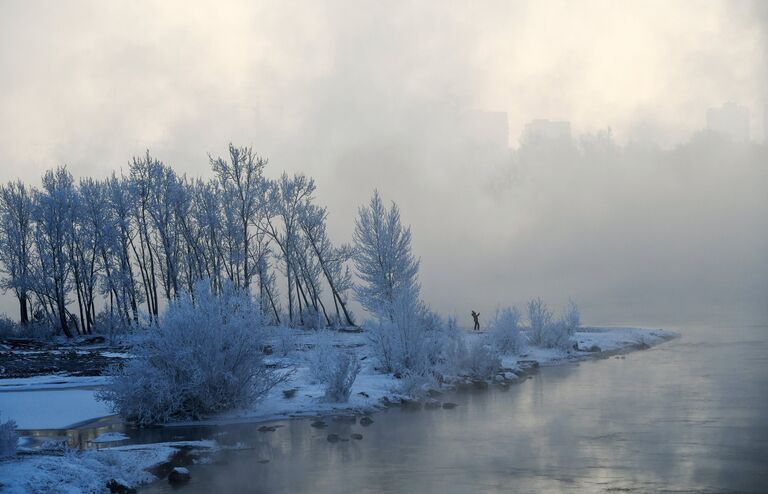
125 244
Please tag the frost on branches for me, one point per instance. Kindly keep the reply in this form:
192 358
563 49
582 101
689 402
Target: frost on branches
505 331
383 259
206 357
335 369
548 333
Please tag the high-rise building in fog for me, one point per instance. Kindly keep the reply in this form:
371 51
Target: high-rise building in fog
547 130
730 120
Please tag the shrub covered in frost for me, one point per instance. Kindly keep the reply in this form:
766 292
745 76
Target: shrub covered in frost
114 328
411 340
313 319
415 385
505 331
539 317
480 361
8 327
477 360
548 333
206 356
335 369
555 335
8 438
38 330
571 318
283 340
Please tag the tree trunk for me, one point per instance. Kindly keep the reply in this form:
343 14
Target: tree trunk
24 312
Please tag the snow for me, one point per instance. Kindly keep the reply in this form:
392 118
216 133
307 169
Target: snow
110 437
116 355
51 409
371 386
51 381
88 471
29 400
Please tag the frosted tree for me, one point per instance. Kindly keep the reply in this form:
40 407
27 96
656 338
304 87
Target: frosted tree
383 258
192 268
53 214
331 260
207 213
139 186
287 195
165 190
242 181
540 318
86 245
16 243
119 241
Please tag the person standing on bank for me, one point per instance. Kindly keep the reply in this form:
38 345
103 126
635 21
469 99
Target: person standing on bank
475 316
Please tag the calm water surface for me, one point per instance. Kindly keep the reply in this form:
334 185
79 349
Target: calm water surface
688 416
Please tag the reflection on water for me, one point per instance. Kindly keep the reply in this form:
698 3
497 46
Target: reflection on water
688 416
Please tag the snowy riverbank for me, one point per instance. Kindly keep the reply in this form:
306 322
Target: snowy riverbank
298 396
373 390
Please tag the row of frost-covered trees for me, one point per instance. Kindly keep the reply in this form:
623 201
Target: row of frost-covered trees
75 253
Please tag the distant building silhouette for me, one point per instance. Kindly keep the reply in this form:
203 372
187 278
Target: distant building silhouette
547 131
730 120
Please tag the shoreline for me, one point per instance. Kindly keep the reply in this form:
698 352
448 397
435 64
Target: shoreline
133 468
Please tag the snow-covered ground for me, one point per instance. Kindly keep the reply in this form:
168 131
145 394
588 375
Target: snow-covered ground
298 396
372 387
88 471
51 381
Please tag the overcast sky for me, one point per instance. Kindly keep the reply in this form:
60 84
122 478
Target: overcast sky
357 93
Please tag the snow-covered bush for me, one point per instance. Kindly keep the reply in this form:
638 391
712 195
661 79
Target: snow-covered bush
206 356
38 330
335 369
571 318
283 340
505 331
539 317
414 385
113 327
312 318
480 361
8 438
409 342
552 334
556 335
8 327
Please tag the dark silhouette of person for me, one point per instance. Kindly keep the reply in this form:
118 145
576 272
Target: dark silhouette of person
475 315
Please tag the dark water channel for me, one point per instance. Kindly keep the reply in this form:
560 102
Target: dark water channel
688 416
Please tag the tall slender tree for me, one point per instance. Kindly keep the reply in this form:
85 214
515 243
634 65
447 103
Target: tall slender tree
16 242
383 258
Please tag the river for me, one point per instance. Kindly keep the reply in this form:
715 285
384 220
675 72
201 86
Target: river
690 415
